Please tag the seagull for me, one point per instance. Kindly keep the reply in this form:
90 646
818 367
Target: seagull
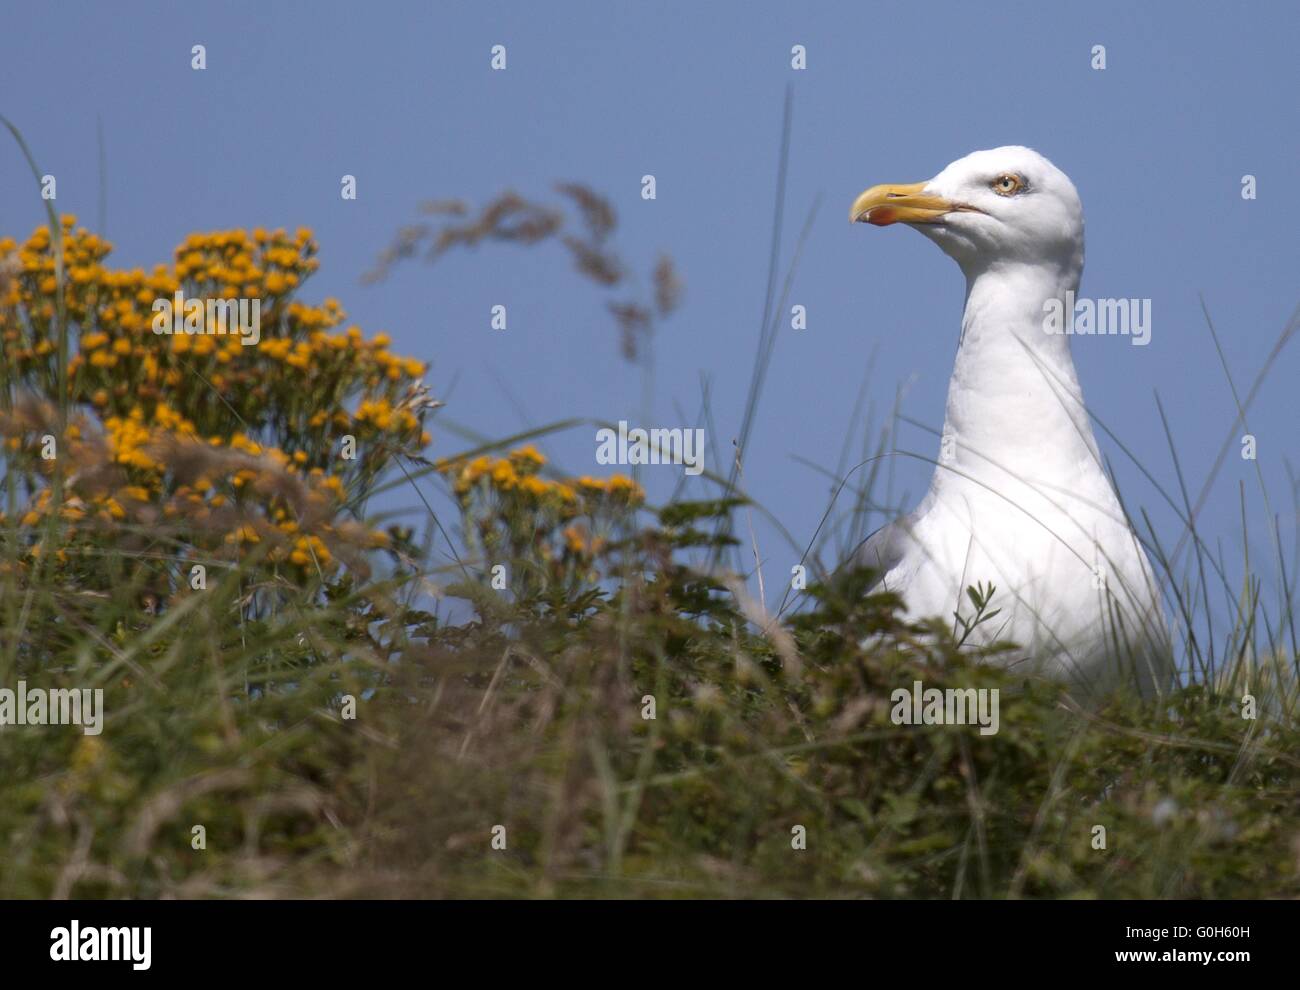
1019 499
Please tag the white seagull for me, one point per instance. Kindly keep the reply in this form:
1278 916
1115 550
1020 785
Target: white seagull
1019 497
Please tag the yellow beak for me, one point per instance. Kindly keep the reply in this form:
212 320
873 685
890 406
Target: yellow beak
886 204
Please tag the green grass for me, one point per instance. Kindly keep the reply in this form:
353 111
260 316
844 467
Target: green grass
530 716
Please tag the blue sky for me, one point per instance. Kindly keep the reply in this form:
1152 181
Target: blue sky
402 96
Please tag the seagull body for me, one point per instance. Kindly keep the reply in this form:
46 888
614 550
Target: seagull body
1019 497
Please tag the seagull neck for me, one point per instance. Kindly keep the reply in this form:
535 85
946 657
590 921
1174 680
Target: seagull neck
1014 402
1007 306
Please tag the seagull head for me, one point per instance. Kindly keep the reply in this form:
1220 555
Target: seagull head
1004 205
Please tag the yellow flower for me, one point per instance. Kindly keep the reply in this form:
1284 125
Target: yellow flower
527 455
574 539
623 486
503 475
535 486
309 548
247 534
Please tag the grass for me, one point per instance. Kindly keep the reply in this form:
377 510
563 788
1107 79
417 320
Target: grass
519 717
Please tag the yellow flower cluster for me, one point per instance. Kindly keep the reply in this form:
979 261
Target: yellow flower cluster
118 362
518 474
236 510
561 529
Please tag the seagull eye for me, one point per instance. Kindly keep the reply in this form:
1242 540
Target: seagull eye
1008 184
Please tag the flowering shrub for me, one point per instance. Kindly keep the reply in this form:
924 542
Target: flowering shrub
223 445
558 529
